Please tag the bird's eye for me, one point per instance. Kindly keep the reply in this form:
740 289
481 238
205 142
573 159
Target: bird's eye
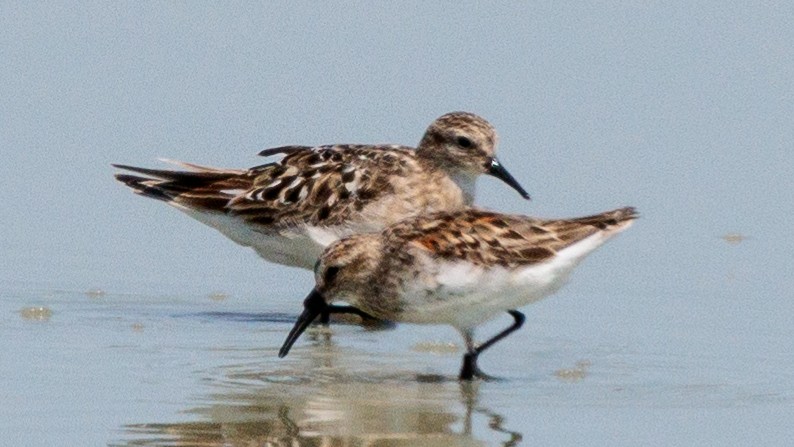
330 274
464 142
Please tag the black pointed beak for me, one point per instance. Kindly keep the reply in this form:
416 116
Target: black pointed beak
499 171
313 305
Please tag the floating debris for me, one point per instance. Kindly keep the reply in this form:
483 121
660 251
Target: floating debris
436 347
575 374
36 313
218 296
137 327
95 293
734 238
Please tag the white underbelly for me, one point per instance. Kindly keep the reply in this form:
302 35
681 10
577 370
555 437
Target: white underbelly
298 246
464 295
481 297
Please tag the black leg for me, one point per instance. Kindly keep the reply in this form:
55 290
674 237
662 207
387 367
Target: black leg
470 370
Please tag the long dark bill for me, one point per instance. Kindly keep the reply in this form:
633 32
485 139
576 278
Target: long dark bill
499 171
313 305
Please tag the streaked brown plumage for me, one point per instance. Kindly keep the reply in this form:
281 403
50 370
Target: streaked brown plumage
460 268
290 209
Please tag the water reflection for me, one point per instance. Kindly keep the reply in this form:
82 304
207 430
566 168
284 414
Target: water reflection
326 405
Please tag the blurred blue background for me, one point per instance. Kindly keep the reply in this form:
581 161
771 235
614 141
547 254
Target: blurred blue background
685 111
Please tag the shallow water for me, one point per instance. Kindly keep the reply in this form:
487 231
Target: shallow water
677 333
101 368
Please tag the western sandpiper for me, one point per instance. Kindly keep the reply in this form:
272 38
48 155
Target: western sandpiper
290 210
460 268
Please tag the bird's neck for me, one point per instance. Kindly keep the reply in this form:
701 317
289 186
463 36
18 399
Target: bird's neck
466 182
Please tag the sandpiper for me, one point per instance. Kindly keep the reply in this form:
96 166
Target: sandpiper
460 268
290 210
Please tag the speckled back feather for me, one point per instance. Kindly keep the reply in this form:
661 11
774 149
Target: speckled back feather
315 185
488 239
322 185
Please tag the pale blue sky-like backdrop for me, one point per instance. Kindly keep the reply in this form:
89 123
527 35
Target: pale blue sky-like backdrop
683 110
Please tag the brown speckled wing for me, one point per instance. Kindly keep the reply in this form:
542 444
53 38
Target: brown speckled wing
487 238
323 185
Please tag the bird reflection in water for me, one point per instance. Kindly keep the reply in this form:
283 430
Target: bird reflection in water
331 411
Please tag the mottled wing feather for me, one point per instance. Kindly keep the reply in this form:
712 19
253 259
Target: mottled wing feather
486 238
321 185
200 187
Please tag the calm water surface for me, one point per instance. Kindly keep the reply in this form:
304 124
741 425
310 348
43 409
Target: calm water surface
95 368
